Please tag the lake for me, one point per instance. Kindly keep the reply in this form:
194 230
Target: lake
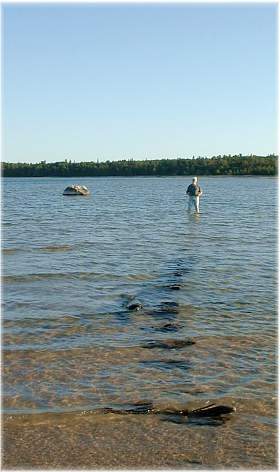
72 265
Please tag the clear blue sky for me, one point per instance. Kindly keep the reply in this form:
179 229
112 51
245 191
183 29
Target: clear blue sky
119 81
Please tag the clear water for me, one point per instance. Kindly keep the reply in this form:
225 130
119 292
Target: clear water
71 265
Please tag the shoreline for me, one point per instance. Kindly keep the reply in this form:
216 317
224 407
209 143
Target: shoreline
133 176
110 441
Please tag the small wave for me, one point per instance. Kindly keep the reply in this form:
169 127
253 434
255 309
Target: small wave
166 364
9 279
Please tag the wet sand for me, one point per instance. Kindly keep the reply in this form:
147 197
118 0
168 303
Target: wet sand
94 441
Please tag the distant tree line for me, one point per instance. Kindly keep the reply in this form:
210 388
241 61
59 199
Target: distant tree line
216 165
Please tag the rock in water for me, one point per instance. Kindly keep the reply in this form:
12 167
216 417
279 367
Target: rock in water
76 190
211 410
144 407
169 344
136 408
168 327
134 306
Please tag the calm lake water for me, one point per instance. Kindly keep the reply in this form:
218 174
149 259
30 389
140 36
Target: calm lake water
71 265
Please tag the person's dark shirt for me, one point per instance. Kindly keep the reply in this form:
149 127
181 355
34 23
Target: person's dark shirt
193 190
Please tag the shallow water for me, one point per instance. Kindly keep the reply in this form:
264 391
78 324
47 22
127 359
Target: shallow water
71 266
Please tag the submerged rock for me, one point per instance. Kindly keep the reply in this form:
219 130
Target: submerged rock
213 410
168 327
169 344
136 306
76 190
132 408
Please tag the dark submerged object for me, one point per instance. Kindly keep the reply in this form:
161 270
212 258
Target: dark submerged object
213 410
175 287
167 327
210 410
169 344
76 190
136 408
134 306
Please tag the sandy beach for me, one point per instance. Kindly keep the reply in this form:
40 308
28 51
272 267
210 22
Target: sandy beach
94 441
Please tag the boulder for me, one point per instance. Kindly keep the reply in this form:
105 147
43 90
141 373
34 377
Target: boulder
76 190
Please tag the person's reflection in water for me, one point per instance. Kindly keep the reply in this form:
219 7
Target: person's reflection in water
195 217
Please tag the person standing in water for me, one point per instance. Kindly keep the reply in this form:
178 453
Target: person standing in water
194 192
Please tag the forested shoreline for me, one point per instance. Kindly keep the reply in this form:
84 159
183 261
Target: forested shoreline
216 165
